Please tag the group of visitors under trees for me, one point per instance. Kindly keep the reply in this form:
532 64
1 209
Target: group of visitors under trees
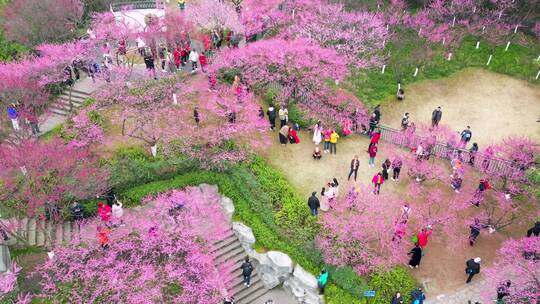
420 240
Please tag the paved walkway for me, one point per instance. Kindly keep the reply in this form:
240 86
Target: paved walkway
277 295
471 292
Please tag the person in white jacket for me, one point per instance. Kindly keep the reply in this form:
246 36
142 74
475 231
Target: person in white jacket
118 212
193 57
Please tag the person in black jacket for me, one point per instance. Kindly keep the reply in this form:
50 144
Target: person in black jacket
355 164
247 269
313 203
473 267
436 117
416 256
77 211
272 117
534 230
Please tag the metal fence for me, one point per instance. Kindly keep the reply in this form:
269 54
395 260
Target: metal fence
136 5
489 164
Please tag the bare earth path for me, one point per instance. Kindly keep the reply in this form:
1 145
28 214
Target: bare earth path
494 105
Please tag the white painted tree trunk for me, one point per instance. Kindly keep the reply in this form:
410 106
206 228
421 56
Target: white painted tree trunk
443 40
538 58
483 29
383 68
419 31
415 72
153 150
387 27
399 85
500 15
293 11
384 42
537 75
174 98
449 56
477 44
515 29
507 46
454 21
489 59
23 170
474 10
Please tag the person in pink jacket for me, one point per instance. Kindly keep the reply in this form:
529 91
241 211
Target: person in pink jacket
372 151
377 181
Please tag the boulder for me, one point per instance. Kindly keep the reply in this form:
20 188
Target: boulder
281 263
304 278
228 207
269 280
245 235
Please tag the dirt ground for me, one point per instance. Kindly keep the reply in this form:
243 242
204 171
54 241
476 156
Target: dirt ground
494 105
442 270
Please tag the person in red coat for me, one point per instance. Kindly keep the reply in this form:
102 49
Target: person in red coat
423 236
104 212
293 136
377 181
376 137
372 151
177 57
202 61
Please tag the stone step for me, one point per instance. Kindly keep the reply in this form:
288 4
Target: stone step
58 233
80 91
226 239
237 280
64 103
32 225
228 246
74 94
40 237
233 255
246 295
60 112
67 232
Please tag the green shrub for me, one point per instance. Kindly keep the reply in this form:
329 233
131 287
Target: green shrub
52 133
348 280
88 101
297 116
227 75
387 283
334 295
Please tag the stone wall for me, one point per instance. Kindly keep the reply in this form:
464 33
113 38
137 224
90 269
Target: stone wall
276 268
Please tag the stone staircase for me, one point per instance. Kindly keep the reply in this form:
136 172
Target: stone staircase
230 249
68 101
42 233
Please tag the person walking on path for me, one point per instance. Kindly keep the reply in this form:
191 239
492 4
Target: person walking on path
423 236
272 117
103 237
372 151
283 115
436 117
472 153
104 212
405 122
317 133
193 58
322 280
502 291
396 168
283 134
473 267
535 230
377 181
416 256
385 167
326 136
118 212
355 164
325 205
333 141
466 136
13 115
397 299
376 137
149 63
202 61
418 296
314 204
372 124
196 116
247 269
377 113
475 231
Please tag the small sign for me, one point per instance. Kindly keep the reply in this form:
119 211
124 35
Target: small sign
369 293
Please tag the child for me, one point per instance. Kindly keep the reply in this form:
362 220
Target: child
103 237
317 153
377 181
